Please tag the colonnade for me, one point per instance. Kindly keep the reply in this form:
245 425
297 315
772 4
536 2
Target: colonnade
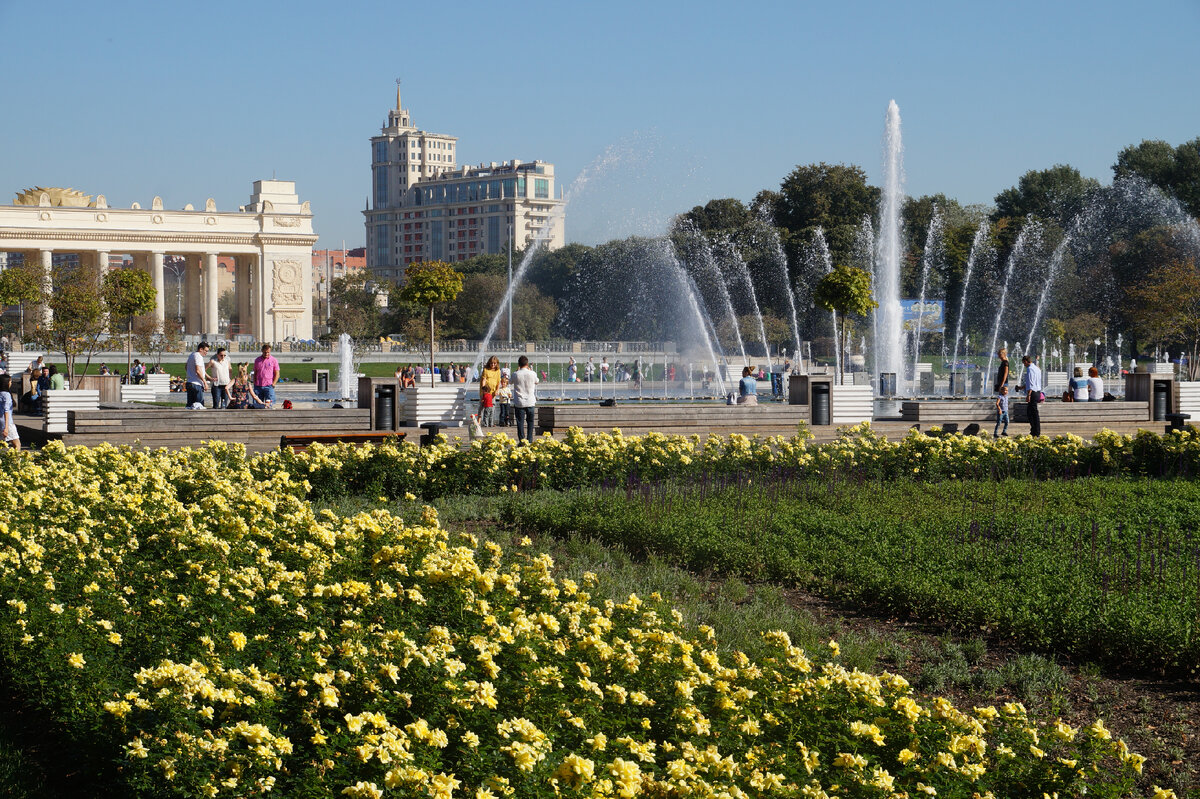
200 281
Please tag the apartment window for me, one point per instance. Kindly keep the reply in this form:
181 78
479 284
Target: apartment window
380 151
541 188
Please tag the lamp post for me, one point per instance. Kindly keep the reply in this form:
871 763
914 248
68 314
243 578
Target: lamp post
510 227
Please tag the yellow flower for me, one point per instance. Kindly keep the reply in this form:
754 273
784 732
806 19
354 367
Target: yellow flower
76 660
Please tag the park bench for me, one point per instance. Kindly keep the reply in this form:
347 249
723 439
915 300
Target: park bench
685 419
301 442
259 430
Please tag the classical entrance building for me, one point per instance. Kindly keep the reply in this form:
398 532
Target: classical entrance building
270 241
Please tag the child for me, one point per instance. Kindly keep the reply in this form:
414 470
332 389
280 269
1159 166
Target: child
1001 412
504 397
488 400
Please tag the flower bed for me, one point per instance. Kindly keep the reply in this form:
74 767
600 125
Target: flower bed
496 464
230 641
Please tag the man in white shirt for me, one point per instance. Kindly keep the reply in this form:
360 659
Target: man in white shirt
220 379
1032 383
197 377
524 384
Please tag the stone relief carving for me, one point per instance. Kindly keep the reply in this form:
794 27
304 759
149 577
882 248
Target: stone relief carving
286 221
188 207
210 220
286 286
210 204
306 207
156 204
101 217
157 219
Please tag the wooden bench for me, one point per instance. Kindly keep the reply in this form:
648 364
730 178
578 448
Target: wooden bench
684 419
259 430
299 443
939 412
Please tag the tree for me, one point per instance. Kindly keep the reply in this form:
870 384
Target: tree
1057 194
727 215
846 291
1166 308
21 285
354 306
78 322
128 293
155 338
1175 170
427 284
832 196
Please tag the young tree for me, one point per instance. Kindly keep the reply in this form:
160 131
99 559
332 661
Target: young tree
427 284
78 321
846 291
154 338
354 306
128 293
21 285
1165 307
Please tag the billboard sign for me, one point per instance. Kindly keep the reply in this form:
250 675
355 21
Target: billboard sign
932 314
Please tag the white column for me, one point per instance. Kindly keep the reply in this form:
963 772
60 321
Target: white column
192 318
241 287
211 318
46 259
156 276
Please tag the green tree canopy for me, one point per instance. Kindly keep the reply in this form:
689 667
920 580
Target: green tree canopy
77 307
354 306
1175 170
727 215
427 284
128 293
835 197
846 290
1056 194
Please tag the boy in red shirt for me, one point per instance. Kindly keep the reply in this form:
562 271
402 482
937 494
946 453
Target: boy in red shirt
488 400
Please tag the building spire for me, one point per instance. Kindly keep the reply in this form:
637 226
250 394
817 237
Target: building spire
397 94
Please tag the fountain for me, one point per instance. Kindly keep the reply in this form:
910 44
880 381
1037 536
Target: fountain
933 244
781 263
825 261
347 379
889 252
737 266
1031 234
979 247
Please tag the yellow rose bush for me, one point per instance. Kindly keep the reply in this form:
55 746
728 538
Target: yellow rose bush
192 612
494 464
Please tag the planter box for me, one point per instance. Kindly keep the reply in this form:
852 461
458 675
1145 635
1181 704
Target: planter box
445 403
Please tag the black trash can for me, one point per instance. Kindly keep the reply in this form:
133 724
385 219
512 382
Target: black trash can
820 403
1162 390
887 384
385 407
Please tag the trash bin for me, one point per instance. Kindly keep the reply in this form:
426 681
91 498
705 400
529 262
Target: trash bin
385 407
777 384
1162 390
887 384
926 383
321 378
820 403
957 383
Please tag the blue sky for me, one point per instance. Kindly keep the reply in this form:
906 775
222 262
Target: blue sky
683 102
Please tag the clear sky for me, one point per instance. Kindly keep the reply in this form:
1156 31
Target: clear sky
676 103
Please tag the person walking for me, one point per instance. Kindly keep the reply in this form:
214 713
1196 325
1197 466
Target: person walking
504 396
9 434
266 375
197 378
1001 413
1031 384
220 379
524 398
1001 371
489 381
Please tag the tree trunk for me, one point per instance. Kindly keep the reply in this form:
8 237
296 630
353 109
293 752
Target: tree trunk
129 352
431 383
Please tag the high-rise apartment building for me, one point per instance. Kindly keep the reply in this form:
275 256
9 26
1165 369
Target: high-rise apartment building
426 208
